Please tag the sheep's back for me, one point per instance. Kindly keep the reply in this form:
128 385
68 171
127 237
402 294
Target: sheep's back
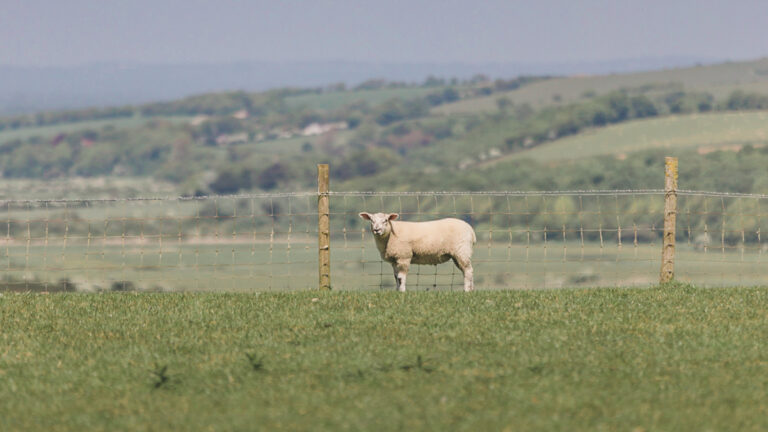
435 241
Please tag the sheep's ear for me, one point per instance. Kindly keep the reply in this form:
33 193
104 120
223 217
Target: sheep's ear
393 216
366 216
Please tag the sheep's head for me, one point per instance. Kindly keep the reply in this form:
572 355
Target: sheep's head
380 225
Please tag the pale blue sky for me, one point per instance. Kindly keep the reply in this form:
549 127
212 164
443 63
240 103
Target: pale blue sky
73 32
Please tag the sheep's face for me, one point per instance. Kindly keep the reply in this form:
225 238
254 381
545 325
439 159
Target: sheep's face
380 225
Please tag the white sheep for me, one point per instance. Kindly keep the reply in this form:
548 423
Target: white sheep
434 242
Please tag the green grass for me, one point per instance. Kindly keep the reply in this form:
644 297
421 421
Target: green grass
720 79
705 131
665 358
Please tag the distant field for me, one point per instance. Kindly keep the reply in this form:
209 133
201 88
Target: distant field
720 79
85 187
281 146
260 265
665 358
704 131
339 99
292 146
52 130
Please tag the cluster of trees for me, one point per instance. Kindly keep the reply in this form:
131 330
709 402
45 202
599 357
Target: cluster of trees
241 176
447 95
501 85
395 110
680 102
613 107
225 103
136 152
740 100
482 82
378 84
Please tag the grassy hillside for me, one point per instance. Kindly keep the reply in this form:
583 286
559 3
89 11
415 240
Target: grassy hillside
666 358
706 132
49 131
486 145
719 79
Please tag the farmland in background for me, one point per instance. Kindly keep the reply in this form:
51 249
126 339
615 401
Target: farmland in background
705 132
397 136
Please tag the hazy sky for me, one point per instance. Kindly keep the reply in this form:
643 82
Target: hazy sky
70 32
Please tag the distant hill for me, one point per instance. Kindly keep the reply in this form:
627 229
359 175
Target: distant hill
384 135
31 89
718 79
705 132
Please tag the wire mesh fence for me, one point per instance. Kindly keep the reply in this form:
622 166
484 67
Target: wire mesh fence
262 242
249 242
721 238
524 239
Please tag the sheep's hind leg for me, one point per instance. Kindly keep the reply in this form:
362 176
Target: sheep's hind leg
401 271
465 266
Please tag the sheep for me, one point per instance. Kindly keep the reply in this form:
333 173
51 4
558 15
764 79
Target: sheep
434 242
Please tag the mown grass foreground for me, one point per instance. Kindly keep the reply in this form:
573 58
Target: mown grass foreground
666 358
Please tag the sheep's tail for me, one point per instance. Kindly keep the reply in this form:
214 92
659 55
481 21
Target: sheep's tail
474 237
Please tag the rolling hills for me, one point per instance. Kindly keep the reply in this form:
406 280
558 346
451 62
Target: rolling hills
385 135
705 132
719 80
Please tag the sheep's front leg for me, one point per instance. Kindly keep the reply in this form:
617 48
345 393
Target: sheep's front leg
401 271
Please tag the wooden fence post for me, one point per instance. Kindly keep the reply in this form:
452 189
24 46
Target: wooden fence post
670 216
323 227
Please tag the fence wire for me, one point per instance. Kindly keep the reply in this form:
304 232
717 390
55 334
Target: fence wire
524 239
234 243
262 242
721 238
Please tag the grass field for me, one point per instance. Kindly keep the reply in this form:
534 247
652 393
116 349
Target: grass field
665 358
264 267
707 132
91 187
